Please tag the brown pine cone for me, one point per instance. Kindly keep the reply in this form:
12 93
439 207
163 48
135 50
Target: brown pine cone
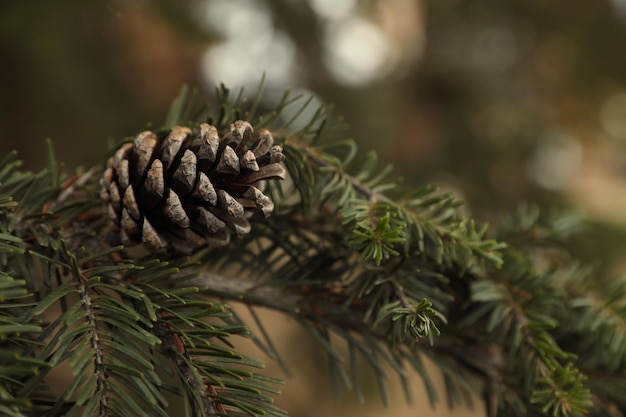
184 189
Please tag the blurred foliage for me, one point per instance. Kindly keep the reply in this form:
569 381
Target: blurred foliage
81 73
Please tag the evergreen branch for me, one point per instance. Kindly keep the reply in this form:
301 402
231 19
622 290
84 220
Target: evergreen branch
99 330
363 339
183 322
518 307
430 222
601 316
318 160
95 341
14 364
178 354
562 393
359 335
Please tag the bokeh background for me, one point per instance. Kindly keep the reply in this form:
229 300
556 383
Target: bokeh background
498 101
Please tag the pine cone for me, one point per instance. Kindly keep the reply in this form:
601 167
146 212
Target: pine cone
185 189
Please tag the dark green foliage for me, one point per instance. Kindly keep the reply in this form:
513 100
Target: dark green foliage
376 274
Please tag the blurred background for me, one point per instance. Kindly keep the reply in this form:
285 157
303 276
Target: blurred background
500 102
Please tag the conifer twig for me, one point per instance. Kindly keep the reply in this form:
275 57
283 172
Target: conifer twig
176 350
312 156
95 344
358 186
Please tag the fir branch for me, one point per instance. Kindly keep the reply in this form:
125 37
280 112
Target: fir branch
562 393
95 341
601 315
314 156
178 354
414 321
424 217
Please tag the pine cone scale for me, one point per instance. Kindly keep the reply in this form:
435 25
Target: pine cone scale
130 203
154 185
174 210
184 178
172 145
204 190
249 162
266 172
144 146
205 146
228 164
263 143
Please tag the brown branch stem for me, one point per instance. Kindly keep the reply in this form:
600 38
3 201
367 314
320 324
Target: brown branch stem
246 291
98 360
